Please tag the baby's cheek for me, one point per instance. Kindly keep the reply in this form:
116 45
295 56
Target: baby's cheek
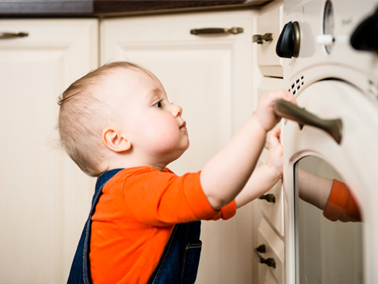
162 130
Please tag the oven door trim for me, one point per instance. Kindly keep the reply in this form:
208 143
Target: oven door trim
356 166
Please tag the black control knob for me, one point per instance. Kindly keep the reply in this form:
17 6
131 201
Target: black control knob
365 37
289 42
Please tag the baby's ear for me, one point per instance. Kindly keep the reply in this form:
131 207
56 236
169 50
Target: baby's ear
114 139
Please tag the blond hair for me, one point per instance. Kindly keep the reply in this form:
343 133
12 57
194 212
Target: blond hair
84 112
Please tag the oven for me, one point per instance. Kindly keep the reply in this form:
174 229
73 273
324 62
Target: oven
330 64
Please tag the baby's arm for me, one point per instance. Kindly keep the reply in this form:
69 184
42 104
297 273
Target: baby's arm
225 175
266 176
314 189
330 195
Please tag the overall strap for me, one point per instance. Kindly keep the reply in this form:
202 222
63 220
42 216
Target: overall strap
80 269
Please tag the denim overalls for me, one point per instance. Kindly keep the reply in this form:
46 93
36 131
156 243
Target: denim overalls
178 264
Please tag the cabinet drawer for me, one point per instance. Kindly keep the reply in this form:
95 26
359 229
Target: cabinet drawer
273 211
274 249
269 278
269 22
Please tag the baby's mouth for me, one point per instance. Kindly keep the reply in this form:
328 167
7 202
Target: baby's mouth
183 125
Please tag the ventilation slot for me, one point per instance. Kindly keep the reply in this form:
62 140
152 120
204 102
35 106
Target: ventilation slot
295 87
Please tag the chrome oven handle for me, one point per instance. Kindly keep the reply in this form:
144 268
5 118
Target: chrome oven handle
333 127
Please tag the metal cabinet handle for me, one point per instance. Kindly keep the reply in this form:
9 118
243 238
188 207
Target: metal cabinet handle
259 39
268 197
207 31
268 261
12 35
333 127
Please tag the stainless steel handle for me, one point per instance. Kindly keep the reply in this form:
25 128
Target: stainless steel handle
268 261
259 39
12 35
268 197
333 127
207 31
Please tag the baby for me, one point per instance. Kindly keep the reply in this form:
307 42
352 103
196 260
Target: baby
117 124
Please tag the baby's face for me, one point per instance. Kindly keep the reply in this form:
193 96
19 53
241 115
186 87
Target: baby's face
151 123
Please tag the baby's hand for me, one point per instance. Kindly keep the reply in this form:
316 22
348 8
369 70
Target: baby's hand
274 160
265 110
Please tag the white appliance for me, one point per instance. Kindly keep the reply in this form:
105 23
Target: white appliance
333 81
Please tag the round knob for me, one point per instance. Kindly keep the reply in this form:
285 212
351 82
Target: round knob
365 36
289 42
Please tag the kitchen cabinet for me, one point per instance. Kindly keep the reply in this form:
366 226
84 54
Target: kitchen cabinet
271 203
272 252
268 28
211 77
44 197
270 231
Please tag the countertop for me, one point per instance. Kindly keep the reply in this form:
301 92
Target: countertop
113 8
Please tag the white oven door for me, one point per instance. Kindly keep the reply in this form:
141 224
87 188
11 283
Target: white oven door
318 250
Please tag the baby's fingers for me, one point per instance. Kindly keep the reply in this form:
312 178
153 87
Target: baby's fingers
283 95
274 137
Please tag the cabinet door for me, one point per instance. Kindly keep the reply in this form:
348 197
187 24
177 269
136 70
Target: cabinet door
271 266
44 198
271 203
210 76
273 211
269 21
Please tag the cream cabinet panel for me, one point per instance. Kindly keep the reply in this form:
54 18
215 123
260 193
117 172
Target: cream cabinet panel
269 21
274 250
269 278
44 198
273 211
210 76
268 84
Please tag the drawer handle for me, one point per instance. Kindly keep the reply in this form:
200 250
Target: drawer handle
259 39
208 31
268 261
333 127
268 197
12 35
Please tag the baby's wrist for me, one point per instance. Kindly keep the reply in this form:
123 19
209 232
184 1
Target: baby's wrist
259 123
276 173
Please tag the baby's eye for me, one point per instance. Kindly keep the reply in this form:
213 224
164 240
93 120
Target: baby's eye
158 104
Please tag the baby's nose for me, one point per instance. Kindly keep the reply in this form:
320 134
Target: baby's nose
176 110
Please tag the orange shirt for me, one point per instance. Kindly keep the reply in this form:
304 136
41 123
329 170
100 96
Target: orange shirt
134 219
341 204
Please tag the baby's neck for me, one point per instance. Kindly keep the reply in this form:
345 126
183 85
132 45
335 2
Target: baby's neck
125 161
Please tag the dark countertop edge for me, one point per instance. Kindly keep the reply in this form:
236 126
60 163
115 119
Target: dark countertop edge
252 5
72 11
9 9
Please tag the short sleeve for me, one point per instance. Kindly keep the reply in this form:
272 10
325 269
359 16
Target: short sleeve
341 204
163 198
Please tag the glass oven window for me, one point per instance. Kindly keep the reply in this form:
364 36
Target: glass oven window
328 226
